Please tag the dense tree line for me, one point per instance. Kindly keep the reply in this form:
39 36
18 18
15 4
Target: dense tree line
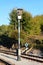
29 26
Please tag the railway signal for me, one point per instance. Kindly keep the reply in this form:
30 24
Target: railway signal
19 17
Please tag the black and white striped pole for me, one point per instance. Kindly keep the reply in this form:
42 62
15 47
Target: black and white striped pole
19 16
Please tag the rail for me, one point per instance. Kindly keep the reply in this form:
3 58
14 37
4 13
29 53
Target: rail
26 56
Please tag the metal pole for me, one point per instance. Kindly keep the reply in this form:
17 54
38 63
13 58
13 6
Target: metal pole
19 52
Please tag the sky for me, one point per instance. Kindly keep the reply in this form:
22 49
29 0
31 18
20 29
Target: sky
35 7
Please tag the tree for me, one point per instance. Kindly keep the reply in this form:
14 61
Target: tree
13 18
39 19
35 27
26 17
3 29
26 21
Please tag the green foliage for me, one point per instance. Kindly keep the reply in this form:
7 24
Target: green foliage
39 19
14 34
29 26
3 29
26 17
35 27
13 18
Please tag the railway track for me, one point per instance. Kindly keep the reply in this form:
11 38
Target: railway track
32 57
26 56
